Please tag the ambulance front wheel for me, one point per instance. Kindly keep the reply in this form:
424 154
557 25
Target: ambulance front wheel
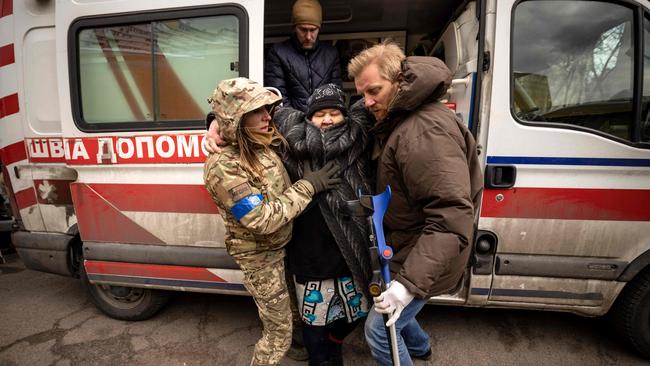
631 313
125 303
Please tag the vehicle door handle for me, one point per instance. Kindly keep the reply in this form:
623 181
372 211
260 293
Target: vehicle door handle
500 176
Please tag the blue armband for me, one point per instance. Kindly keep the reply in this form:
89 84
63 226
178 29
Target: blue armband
246 205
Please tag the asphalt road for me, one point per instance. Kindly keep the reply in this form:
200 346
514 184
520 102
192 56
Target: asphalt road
48 320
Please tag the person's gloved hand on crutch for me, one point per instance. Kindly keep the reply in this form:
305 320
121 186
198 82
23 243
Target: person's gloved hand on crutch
393 301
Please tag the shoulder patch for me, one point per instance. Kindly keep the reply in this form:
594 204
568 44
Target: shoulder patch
240 191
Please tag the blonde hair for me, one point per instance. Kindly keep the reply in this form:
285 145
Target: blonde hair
386 55
248 144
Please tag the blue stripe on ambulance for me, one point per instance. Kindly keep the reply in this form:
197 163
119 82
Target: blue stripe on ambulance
530 160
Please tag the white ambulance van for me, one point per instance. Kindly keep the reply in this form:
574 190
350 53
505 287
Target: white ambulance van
102 107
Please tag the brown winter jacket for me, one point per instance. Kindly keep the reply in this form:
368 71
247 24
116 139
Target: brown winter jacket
431 163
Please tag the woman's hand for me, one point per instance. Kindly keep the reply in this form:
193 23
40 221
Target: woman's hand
212 138
324 179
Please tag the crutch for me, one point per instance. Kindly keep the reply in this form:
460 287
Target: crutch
374 208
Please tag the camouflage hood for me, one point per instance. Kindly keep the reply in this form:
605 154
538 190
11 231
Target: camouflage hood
232 98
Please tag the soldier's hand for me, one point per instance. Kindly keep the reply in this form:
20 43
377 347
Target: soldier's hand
212 139
208 119
324 179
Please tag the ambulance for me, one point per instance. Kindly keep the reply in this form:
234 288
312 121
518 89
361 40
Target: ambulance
102 107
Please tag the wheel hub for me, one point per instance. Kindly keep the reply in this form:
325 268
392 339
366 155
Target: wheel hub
122 294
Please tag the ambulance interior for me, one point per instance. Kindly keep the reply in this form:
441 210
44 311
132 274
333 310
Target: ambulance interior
447 29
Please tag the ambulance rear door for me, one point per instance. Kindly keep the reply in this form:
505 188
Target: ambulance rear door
133 112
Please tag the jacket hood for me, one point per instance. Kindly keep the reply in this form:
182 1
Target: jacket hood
232 98
423 79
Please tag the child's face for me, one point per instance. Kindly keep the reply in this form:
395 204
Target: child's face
327 117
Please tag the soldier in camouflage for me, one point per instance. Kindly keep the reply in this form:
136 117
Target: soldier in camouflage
257 201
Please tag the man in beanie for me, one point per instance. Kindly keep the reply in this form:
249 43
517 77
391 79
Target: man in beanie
301 64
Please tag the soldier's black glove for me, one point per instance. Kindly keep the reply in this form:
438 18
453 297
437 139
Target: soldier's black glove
323 179
208 119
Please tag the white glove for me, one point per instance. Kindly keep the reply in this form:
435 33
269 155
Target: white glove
393 301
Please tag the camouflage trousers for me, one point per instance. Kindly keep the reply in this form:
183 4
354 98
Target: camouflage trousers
268 287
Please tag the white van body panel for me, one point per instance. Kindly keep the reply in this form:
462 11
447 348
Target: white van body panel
143 189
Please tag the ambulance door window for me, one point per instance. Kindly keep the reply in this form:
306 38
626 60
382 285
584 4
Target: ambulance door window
573 65
190 56
115 73
645 115
156 74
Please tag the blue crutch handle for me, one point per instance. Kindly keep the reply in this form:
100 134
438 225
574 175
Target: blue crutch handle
380 205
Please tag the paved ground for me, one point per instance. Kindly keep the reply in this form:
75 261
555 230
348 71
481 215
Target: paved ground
47 320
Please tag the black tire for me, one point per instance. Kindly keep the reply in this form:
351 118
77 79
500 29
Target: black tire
124 303
631 313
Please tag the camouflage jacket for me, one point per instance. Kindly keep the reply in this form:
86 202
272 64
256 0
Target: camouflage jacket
268 225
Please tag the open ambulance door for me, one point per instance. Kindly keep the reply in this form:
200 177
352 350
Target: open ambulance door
567 177
134 80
